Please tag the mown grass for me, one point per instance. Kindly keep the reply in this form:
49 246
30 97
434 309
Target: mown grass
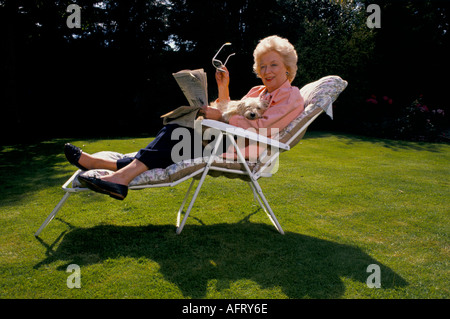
344 201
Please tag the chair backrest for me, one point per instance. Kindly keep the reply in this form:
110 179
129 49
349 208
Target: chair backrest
318 97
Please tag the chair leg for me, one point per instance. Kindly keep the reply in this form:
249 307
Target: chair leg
191 204
52 214
255 186
199 186
184 202
258 194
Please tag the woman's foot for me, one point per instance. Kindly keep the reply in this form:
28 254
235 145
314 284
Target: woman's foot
116 191
73 155
85 161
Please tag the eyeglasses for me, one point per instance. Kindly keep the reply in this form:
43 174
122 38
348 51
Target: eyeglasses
217 63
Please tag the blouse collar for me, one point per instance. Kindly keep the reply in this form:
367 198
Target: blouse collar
265 95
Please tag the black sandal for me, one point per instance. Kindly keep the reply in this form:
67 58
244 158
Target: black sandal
73 154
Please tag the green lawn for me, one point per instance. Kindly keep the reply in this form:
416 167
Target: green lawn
344 201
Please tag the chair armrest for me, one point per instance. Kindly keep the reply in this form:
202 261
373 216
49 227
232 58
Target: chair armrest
238 131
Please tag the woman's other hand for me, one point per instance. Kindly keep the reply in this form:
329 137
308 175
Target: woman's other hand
223 80
211 113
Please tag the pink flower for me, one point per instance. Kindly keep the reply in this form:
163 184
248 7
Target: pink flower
372 101
424 108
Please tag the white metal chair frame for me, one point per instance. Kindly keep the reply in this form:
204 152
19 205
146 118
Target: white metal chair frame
228 131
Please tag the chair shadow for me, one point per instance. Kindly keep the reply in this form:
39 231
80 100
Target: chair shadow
302 266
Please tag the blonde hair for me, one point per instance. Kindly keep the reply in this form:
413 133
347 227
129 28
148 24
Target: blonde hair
283 47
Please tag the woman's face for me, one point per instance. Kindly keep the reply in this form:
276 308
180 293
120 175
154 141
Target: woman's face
272 70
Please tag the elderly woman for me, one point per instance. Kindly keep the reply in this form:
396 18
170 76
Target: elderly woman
275 62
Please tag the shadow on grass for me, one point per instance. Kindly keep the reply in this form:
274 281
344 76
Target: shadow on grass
28 168
302 266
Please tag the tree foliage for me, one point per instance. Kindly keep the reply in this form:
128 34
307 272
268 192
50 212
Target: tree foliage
117 67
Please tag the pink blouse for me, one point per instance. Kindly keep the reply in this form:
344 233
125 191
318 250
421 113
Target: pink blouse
285 104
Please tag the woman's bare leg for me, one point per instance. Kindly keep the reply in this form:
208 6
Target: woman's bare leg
126 174
91 162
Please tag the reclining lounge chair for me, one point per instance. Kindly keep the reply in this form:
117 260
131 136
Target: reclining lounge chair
318 97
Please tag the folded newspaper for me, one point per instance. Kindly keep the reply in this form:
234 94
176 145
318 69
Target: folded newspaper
194 85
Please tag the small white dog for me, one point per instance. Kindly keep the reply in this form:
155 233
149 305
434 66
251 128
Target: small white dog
252 108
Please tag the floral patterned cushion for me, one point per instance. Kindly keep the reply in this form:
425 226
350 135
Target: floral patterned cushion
318 96
319 92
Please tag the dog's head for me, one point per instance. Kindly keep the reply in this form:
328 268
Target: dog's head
254 108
